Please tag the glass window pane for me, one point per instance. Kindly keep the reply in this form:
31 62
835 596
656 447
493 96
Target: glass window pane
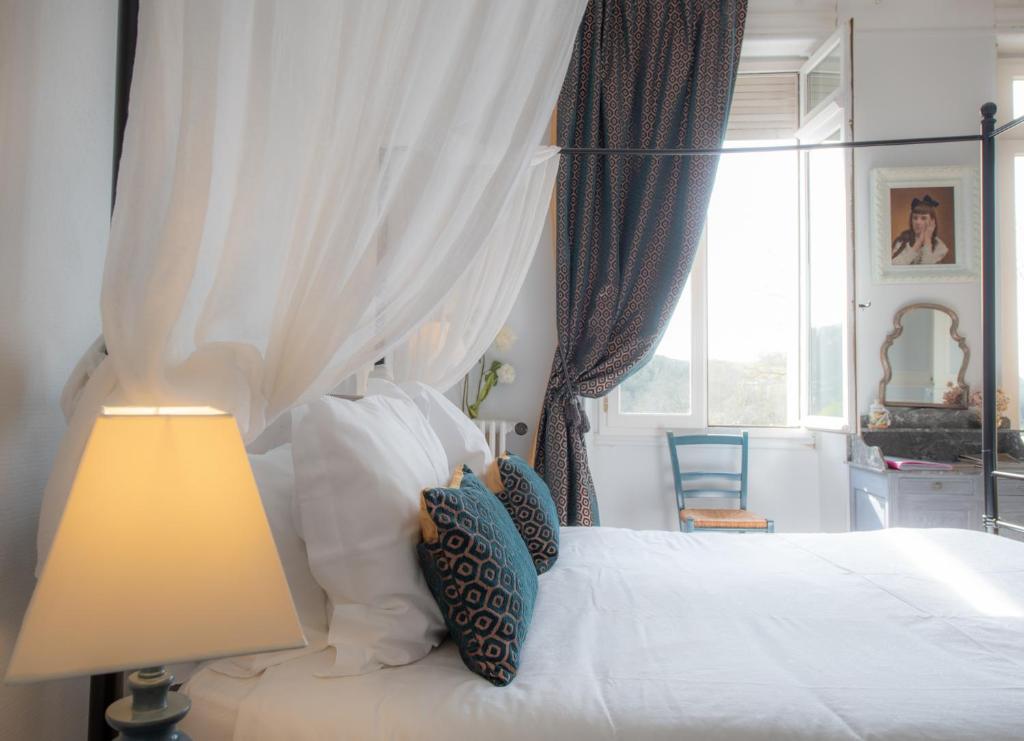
1018 212
1018 98
753 320
826 281
824 79
663 385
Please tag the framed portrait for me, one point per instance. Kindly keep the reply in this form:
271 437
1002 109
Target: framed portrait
924 224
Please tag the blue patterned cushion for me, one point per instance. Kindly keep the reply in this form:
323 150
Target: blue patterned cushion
528 499
480 573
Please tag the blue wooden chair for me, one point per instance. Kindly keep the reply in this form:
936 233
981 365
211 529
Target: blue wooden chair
714 484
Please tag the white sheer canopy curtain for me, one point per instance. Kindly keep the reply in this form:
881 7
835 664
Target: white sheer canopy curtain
464 324
301 184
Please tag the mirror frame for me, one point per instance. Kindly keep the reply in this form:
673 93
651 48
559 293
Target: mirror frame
897 330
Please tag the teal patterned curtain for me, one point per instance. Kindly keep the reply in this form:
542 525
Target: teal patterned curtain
656 73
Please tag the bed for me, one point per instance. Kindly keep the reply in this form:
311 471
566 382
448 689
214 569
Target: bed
658 635
653 635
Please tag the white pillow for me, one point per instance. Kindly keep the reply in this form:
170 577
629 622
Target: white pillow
463 441
275 479
359 470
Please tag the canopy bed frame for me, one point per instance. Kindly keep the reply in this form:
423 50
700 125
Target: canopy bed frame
106 688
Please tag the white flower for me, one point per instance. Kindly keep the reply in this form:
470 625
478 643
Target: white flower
506 374
505 339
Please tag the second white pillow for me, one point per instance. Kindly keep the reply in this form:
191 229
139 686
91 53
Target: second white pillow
463 442
359 469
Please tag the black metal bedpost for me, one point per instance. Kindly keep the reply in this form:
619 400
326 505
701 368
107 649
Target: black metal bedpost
106 688
127 35
989 422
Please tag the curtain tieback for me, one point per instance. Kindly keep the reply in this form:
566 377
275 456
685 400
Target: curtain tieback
575 413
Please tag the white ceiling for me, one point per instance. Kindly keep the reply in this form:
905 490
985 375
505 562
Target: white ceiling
794 28
787 28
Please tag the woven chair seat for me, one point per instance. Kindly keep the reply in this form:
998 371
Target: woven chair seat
727 518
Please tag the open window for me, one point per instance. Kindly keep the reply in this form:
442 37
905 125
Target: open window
826 241
763 334
729 357
1010 230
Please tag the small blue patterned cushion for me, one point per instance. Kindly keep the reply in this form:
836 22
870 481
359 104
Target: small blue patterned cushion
528 499
480 573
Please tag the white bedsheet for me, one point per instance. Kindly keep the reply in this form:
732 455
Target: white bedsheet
215 715
657 635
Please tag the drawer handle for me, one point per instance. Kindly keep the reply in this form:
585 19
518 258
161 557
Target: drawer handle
937 485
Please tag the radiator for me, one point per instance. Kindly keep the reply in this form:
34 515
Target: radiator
497 432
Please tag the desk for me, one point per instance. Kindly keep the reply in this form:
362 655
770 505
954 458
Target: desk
928 498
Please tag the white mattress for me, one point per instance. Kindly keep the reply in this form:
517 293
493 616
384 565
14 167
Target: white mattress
657 635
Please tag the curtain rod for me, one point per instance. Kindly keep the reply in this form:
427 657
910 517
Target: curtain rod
1007 126
655 152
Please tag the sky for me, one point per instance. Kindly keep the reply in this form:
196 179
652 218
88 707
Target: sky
753 258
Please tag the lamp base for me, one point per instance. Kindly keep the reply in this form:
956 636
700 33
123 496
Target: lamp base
152 711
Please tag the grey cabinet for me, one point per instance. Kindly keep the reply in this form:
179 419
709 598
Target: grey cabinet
1011 505
880 499
870 503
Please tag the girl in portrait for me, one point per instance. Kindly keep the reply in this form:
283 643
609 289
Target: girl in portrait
920 244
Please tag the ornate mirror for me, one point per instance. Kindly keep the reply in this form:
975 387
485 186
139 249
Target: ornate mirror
924 359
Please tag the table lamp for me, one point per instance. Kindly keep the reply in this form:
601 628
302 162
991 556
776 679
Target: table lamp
163 554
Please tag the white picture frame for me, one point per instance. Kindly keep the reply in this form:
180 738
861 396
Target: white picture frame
951 255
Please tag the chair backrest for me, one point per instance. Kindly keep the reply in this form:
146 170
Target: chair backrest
703 483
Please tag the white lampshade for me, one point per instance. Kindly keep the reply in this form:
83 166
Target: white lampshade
163 554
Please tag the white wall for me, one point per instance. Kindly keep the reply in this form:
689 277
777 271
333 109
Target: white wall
633 478
56 124
533 321
833 483
921 68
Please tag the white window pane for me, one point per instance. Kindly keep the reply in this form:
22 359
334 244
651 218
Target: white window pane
824 79
1018 212
1018 98
826 281
753 320
663 385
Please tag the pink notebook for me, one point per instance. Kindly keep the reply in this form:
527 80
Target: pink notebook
908 464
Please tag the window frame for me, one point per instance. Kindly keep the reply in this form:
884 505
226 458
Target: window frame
830 115
1009 146
616 423
826 117
838 39
697 418
613 423
793 346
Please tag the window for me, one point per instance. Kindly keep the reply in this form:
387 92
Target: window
826 278
743 292
761 335
753 275
1018 213
1010 206
664 385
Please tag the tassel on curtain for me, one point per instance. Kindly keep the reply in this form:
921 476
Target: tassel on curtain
652 74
